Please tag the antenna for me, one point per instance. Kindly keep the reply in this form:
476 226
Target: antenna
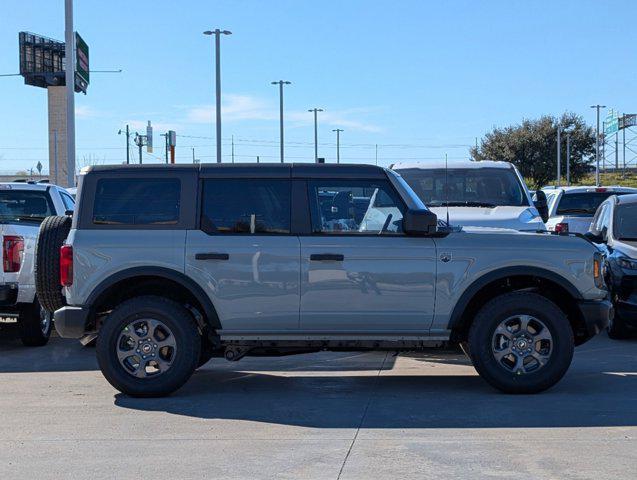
447 189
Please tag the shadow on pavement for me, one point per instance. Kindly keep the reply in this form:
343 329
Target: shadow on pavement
599 390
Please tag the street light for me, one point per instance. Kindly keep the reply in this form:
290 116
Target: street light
338 144
217 33
597 107
280 83
315 110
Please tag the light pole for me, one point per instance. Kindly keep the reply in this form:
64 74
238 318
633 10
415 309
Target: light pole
280 83
217 33
315 110
597 107
559 154
568 159
69 52
338 144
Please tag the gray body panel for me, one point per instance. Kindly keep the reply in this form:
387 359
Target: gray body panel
384 283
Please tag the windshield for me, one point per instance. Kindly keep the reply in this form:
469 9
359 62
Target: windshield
470 187
584 203
23 205
626 222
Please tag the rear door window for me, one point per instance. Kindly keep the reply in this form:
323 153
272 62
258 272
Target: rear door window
137 201
582 203
246 206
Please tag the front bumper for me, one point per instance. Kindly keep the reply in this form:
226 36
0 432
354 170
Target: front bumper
70 322
596 315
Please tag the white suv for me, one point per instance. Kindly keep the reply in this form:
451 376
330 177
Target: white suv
478 194
571 209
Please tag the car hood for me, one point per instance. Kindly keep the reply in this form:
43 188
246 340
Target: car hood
628 248
517 218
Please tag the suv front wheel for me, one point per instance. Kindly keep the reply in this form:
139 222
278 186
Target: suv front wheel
521 342
148 346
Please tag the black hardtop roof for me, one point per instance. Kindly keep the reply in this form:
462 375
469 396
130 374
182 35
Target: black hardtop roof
249 170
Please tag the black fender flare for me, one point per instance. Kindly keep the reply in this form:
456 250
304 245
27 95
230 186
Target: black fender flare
500 274
162 272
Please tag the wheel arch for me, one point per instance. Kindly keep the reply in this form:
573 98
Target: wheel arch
552 285
157 277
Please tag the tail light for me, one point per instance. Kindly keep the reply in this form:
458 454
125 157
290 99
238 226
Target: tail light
66 265
12 248
561 227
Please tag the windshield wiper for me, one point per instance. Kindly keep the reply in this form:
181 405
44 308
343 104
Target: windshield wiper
576 210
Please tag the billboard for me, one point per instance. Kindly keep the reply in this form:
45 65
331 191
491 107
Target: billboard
628 120
42 61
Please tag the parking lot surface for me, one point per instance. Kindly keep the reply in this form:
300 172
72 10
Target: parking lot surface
324 416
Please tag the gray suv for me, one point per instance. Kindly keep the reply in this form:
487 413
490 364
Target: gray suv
169 266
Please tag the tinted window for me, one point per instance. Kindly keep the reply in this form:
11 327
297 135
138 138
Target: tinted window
626 222
132 201
246 206
466 186
69 203
355 206
23 205
584 203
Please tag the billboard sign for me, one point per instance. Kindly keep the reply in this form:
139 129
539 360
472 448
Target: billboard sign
82 72
41 60
611 124
628 120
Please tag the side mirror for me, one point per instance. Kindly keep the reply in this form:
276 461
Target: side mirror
539 200
604 234
593 237
420 222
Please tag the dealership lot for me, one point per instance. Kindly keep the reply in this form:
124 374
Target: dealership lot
317 416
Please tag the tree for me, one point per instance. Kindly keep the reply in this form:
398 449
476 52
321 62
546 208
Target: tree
532 147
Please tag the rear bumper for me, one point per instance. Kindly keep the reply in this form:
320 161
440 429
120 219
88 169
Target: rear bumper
596 314
8 294
70 322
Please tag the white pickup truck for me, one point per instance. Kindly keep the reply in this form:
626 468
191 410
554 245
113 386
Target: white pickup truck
23 207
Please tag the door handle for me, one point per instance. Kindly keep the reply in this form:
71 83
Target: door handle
325 257
212 256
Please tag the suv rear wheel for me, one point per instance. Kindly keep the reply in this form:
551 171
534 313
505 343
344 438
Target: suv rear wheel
148 346
521 342
35 324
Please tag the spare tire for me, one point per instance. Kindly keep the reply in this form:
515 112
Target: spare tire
53 232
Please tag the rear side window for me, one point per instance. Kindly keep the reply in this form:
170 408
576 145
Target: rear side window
69 203
584 203
24 205
246 206
135 201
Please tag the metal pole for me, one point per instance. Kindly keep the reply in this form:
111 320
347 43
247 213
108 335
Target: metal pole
69 52
338 144
193 154
140 152
55 156
568 159
166 135
280 83
127 145
597 107
232 148
218 90
376 154
616 151
559 154
624 145
315 110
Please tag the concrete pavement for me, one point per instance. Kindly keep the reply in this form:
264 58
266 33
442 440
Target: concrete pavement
324 416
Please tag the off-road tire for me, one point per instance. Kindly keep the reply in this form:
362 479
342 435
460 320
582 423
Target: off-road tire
30 325
53 232
520 303
184 329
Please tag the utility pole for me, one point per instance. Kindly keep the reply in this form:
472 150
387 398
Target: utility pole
232 148
616 151
338 144
568 159
127 133
559 154
376 154
315 110
257 158
597 107
280 83
217 33
624 145
69 74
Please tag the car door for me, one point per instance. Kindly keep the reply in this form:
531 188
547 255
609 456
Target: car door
244 255
359 272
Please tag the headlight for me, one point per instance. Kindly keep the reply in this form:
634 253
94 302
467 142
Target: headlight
627 263
598 274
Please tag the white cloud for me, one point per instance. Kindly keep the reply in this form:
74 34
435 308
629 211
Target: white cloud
84 111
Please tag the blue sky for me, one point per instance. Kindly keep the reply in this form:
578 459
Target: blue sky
418 78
